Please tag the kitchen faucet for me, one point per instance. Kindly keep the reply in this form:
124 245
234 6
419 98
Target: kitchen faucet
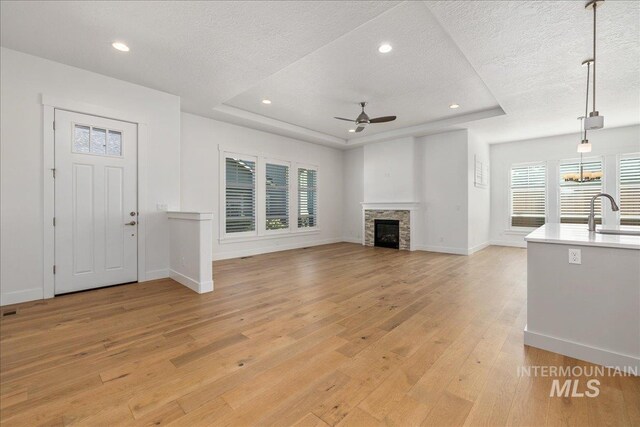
592 215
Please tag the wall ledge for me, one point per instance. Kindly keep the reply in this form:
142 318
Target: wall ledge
194 216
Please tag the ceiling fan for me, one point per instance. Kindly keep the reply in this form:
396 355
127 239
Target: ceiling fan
363 120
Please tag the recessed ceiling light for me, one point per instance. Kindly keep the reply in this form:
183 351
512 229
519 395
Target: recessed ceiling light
352 130
266 101
454 106
120 46
385 48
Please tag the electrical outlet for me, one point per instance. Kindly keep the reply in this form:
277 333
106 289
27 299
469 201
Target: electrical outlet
575 256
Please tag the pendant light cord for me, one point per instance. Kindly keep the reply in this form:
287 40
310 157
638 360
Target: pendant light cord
581 170
595 6
586 106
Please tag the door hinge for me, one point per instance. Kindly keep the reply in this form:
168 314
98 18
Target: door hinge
53 171
54 221
54 269
54 125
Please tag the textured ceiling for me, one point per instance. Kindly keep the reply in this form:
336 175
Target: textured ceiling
417 80
530 53
317 59
205 52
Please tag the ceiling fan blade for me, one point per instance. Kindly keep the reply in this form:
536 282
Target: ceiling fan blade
359 129
382 119
346 120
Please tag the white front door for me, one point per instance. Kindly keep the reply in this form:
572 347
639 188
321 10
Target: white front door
96 206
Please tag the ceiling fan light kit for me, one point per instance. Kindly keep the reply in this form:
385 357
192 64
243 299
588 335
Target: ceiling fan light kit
363 119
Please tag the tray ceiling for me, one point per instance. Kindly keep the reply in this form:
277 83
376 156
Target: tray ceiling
315 60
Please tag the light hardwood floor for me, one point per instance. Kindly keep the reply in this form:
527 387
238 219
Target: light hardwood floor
331 335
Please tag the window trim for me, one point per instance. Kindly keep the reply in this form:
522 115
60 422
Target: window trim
618 182
261 233
297 203
603 182
511 229
223 195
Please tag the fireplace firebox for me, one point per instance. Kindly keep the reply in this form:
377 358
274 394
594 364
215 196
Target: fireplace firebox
387 233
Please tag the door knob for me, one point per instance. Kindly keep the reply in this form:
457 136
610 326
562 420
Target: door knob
130 223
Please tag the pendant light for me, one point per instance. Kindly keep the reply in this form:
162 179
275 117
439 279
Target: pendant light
585 145
594 120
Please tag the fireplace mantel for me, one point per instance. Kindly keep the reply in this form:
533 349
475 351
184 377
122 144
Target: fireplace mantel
396 206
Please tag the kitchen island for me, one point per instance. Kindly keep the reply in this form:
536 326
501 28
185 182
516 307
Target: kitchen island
583 294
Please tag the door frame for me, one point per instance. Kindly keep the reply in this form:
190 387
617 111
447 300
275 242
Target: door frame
50 104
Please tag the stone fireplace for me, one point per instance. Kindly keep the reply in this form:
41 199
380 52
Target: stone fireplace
381 217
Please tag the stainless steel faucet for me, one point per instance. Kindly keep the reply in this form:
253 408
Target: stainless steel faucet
592 215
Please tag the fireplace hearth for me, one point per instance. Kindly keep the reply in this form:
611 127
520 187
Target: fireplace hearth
387 233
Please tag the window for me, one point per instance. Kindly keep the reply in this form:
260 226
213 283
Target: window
240 195
575 196
277 196
255 196
307 198
90 140
528 207
630 190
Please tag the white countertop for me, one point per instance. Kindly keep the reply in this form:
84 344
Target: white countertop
578 234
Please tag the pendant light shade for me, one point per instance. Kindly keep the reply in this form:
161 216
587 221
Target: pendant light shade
584 147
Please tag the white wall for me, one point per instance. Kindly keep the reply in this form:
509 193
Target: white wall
479 198
444 201
201 139
607 143
353 195
25 79
389 173
437 172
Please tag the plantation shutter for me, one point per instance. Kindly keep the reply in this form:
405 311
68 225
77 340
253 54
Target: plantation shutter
307 198
575 196
630 190
277 197
528 195
240 195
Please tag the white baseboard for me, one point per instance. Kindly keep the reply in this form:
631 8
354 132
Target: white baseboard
509 243
24 295
352 240
431 248
157 274
581 351
194 285
218 256
442 249
477 248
